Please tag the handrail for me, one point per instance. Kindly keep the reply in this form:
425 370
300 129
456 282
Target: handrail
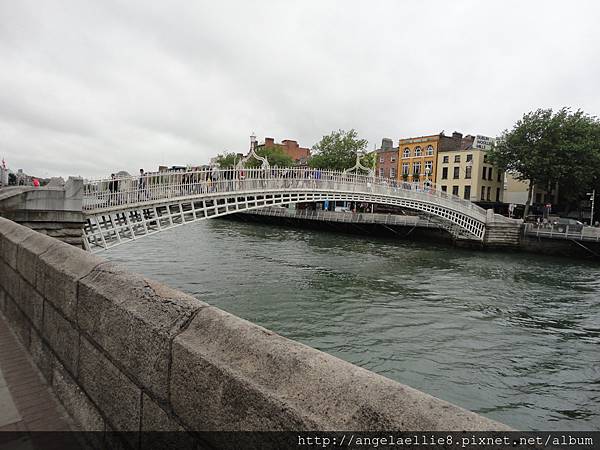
132 190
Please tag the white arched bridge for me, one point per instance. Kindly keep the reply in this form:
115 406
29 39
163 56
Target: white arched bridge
123 209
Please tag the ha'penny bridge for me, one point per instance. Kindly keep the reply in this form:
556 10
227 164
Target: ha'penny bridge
124 209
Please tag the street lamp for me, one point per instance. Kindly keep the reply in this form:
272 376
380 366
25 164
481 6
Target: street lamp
252 141
592 197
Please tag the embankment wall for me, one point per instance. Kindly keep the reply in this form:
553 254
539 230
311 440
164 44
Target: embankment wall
125 353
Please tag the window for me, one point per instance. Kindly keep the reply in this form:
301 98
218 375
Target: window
469 158
454 190
406 153
482 193
484 172
392 172
445 160
416 169
393 158
405 168
499 175
490 173
457 158
429 150
444 173
444 188
485 158
489 191
456 175
381 172
497 194
417 151
428 166
381 159
467 195
468 170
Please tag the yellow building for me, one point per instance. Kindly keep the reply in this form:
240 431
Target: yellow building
418 158
463 170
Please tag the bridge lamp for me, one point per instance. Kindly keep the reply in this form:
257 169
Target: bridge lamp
252 140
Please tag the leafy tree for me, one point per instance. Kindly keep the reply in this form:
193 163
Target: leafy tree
369 160
275 155
337 151
547 147
227 160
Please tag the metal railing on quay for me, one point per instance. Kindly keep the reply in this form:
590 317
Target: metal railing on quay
349 217
152 187
560 231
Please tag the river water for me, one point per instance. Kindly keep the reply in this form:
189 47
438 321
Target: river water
512 336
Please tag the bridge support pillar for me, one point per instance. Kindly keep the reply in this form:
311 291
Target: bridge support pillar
55 210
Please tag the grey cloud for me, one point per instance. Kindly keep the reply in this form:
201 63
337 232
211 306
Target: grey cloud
93 87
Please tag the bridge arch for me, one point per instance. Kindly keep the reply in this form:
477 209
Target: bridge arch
132 208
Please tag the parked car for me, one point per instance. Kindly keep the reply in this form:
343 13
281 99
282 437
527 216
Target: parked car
562 223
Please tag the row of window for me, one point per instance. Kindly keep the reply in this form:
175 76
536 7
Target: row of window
418 151
486 192
446 159
486 175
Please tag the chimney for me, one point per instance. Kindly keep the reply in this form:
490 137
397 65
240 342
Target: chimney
269 142
387 144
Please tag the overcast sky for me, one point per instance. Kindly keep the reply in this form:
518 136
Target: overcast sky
90 88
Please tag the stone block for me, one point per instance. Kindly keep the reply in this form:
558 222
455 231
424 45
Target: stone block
229 374
166 432
115 395
31 303
61 267
11 234
83 412
42 356
62 337
134 320
17 321
10 280
28 253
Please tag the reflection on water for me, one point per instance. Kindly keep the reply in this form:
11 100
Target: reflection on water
512 336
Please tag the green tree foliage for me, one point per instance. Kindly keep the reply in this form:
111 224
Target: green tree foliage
227 160
337 151
275 156
547 147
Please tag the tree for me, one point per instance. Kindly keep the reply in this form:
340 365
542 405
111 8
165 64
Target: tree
227 160
545 148
337 151
275 155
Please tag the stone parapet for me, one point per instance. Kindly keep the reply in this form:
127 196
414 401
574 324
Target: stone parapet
125 353
56 211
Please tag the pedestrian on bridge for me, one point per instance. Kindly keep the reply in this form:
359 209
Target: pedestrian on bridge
142 193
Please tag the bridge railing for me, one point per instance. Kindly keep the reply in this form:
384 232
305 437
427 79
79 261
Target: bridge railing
132 190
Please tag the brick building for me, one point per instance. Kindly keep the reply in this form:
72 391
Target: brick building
387 160
290 147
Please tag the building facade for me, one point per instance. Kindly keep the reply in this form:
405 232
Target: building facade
386 164
290 147
463 170
418 158
516 192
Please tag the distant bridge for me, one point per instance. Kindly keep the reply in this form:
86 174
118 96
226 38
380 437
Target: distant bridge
124 209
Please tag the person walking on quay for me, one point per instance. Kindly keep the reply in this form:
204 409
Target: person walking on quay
36 183
142 186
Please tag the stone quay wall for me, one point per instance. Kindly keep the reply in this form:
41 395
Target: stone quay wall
55 210
125 353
